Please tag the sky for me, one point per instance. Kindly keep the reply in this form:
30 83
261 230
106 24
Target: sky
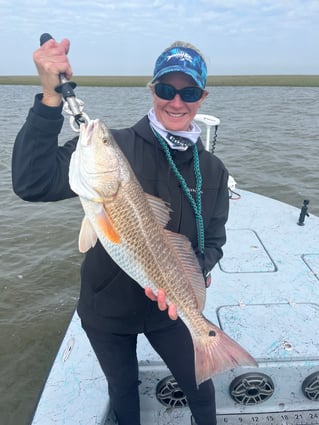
124 37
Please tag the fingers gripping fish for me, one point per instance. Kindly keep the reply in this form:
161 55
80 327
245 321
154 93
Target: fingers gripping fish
131 227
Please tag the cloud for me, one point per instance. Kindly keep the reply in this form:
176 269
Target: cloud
126 36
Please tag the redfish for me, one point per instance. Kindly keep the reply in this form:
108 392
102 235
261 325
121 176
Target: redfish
130 225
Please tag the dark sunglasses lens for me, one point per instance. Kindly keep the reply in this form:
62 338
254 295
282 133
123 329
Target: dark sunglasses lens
168 92
191 94
164 91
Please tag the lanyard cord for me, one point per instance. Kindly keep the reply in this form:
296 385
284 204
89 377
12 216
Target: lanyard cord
197 203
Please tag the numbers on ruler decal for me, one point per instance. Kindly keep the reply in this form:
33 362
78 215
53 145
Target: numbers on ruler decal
291 418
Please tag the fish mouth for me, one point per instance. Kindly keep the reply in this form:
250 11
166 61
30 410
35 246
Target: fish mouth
93 172
101 173
89 129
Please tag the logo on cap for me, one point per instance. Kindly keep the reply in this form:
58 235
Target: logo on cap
181 59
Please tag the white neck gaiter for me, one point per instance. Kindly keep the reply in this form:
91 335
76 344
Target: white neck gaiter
179 140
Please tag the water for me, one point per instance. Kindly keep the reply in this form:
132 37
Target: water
269 140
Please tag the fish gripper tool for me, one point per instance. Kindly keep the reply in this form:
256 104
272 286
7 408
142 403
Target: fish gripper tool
72 105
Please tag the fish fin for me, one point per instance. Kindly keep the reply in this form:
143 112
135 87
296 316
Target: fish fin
190 264
87 236
160 208
106 225
217 352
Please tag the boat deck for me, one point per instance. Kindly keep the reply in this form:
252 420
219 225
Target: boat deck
264 294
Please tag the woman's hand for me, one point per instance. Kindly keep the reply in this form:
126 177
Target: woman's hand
51 60
161 302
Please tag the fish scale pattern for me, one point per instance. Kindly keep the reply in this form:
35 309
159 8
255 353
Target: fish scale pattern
145 248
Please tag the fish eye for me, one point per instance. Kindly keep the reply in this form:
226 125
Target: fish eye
105 141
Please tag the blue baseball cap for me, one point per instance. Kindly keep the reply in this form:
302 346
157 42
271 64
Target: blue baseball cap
181 59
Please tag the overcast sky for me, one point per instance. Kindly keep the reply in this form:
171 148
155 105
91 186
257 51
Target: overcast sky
119 37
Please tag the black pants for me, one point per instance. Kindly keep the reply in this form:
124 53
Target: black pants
117 356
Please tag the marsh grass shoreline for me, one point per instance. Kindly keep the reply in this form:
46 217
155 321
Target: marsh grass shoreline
140 81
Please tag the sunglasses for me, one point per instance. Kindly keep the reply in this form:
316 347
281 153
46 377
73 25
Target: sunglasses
187 94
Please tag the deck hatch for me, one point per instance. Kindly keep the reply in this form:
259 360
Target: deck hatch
312 261
274 332
244 252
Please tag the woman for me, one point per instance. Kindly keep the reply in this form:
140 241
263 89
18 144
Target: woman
168 158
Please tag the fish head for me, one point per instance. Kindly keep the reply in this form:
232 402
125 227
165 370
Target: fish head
95 167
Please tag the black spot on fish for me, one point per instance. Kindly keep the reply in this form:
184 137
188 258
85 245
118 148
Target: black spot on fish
212 333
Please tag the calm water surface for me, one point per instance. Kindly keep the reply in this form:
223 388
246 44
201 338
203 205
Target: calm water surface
268 139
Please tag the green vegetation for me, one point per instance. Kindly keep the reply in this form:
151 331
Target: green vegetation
140 81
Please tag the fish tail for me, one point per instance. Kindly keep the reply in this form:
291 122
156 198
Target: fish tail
216 352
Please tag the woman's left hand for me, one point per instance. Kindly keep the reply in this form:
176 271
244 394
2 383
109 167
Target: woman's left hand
161 302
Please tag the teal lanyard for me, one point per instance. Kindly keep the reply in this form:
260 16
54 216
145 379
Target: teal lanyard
197 203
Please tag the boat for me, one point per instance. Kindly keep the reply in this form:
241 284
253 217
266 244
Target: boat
264 294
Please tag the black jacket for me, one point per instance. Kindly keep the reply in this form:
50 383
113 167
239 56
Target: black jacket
109 298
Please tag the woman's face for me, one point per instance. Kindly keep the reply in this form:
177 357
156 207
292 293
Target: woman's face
176 115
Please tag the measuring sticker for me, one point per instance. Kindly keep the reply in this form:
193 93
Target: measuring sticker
304 417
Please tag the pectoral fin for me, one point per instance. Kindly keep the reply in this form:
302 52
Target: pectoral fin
106 226
87 237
